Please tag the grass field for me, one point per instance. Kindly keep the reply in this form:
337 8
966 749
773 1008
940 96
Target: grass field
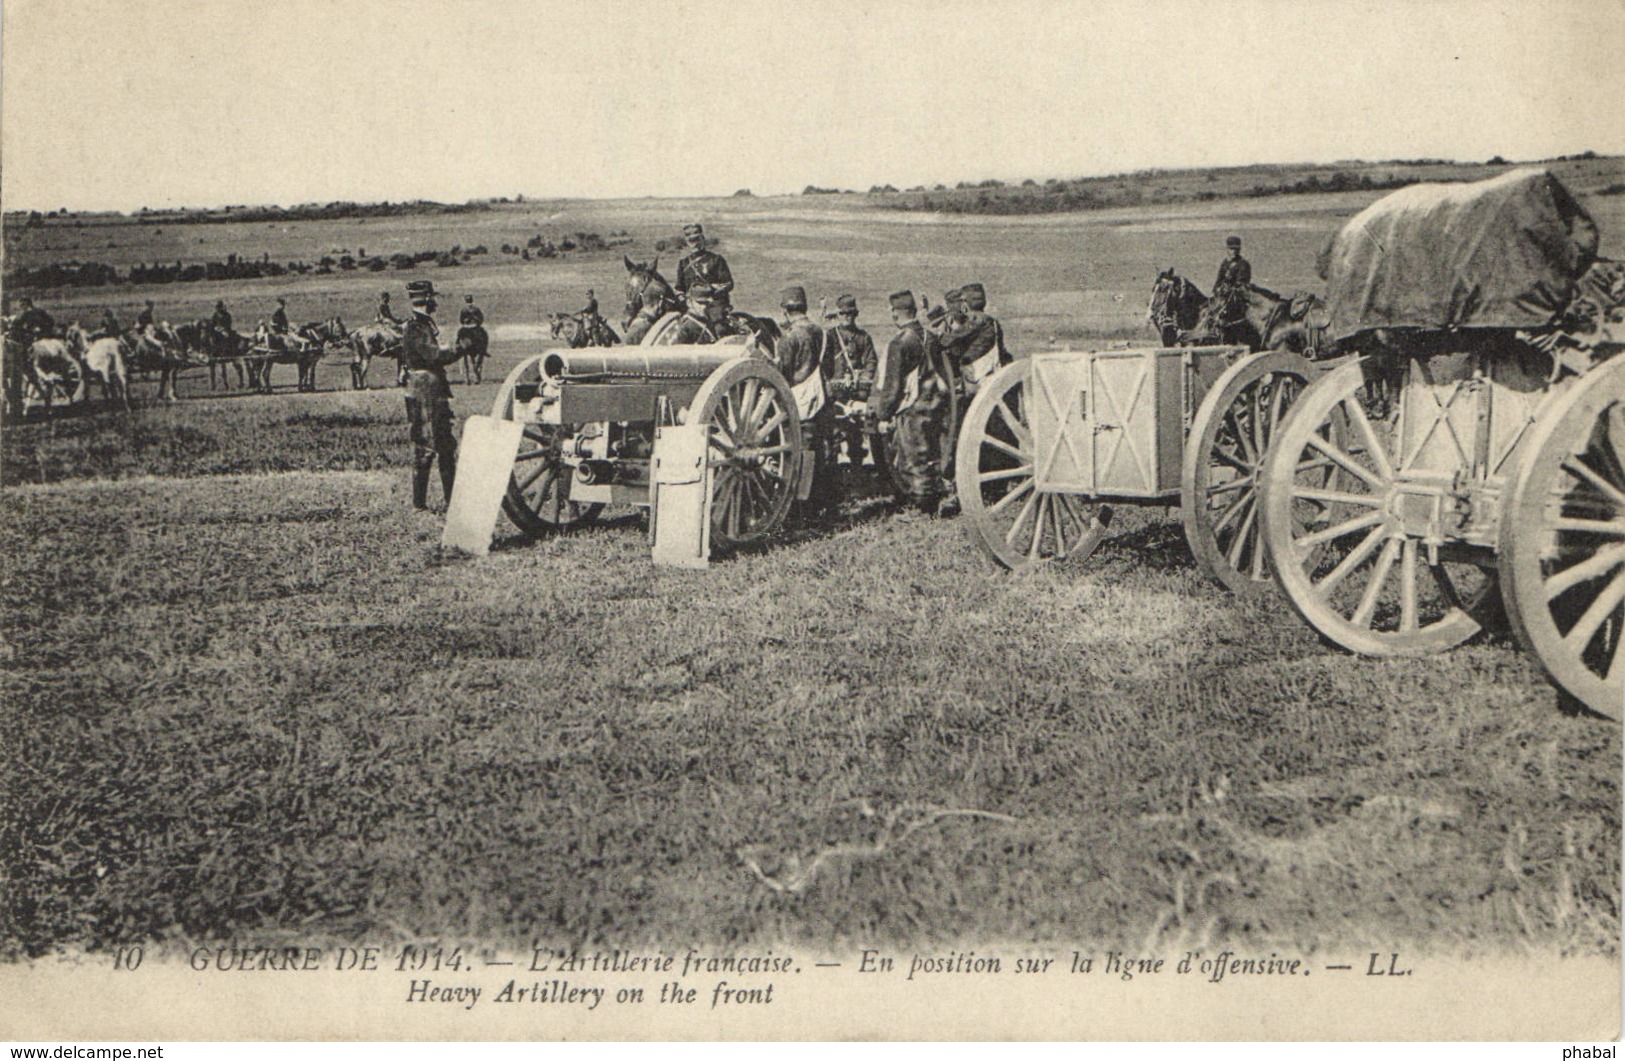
243 695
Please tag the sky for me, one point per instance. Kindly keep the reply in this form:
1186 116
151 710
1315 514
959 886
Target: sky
166 103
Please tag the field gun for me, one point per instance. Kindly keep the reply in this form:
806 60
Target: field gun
705 435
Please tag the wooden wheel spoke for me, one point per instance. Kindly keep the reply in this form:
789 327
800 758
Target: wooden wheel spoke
1585 628
1225 457
1581 470
1368 434
1005 447
1014 422
1058 528
1336 496
1332 533
1344 461
1357 556
1230 487
1230 513
1379 576
1006 473
1015 528
1616 664
525 483
750 392
1010 498
1239 544
1598 565
1240 434
1611 528
532 455
1040 518
1408 620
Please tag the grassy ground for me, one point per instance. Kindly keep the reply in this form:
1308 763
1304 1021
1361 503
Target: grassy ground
264 707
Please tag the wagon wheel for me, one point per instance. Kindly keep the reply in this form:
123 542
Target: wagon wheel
1562 542
538 498
1337 539
1013 521
1224 460
755 449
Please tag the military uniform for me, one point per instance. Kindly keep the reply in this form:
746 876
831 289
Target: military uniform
110 327
428 396
221 319
850 364
279 320
385 314
704 266
800 352
472 339
31 325
143 320
1230 290
913 393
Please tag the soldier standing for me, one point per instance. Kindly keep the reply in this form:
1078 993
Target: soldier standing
428 395
800 354
703 265
977 338
849 373
913 393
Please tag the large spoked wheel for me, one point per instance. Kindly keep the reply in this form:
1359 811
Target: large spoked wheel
1562 542
1335 525
1224 460
1013 521
755 449
538 498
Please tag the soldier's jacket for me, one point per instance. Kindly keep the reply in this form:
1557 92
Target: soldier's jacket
110 324
221 320
705 266
423 359
33 324
850 362
385 315
910 375
471 315
799 350
966 340
144 319
590 311
1237 271
279 320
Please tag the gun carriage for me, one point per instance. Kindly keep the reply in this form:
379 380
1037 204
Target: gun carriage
602 426
1473 455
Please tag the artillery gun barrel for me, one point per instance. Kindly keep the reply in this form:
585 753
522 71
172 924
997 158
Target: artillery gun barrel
663 362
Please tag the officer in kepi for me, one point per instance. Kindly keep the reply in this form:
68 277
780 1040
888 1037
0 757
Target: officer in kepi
703 265
428 395
800 353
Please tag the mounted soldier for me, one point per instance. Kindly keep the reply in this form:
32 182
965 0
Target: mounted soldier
799 352
1230 291
428 395
704 266
144 322
849 375
30 324
221 320
473 343
281 328
702 320
913 394
386 315
109 327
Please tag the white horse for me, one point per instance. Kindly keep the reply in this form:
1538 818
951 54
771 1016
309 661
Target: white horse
55 369
104 359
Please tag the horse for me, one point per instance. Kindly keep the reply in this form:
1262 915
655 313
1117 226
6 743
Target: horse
155 350
473 344
303 347
53 368
648 298
1176 304
367 342
227 349
103 359
577 332
1266 321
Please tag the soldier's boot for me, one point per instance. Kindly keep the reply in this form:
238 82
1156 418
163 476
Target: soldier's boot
448 473
420 485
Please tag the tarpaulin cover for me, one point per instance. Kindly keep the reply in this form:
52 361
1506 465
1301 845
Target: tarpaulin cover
1501 253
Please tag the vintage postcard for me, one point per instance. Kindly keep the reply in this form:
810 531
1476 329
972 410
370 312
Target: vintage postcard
929 520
